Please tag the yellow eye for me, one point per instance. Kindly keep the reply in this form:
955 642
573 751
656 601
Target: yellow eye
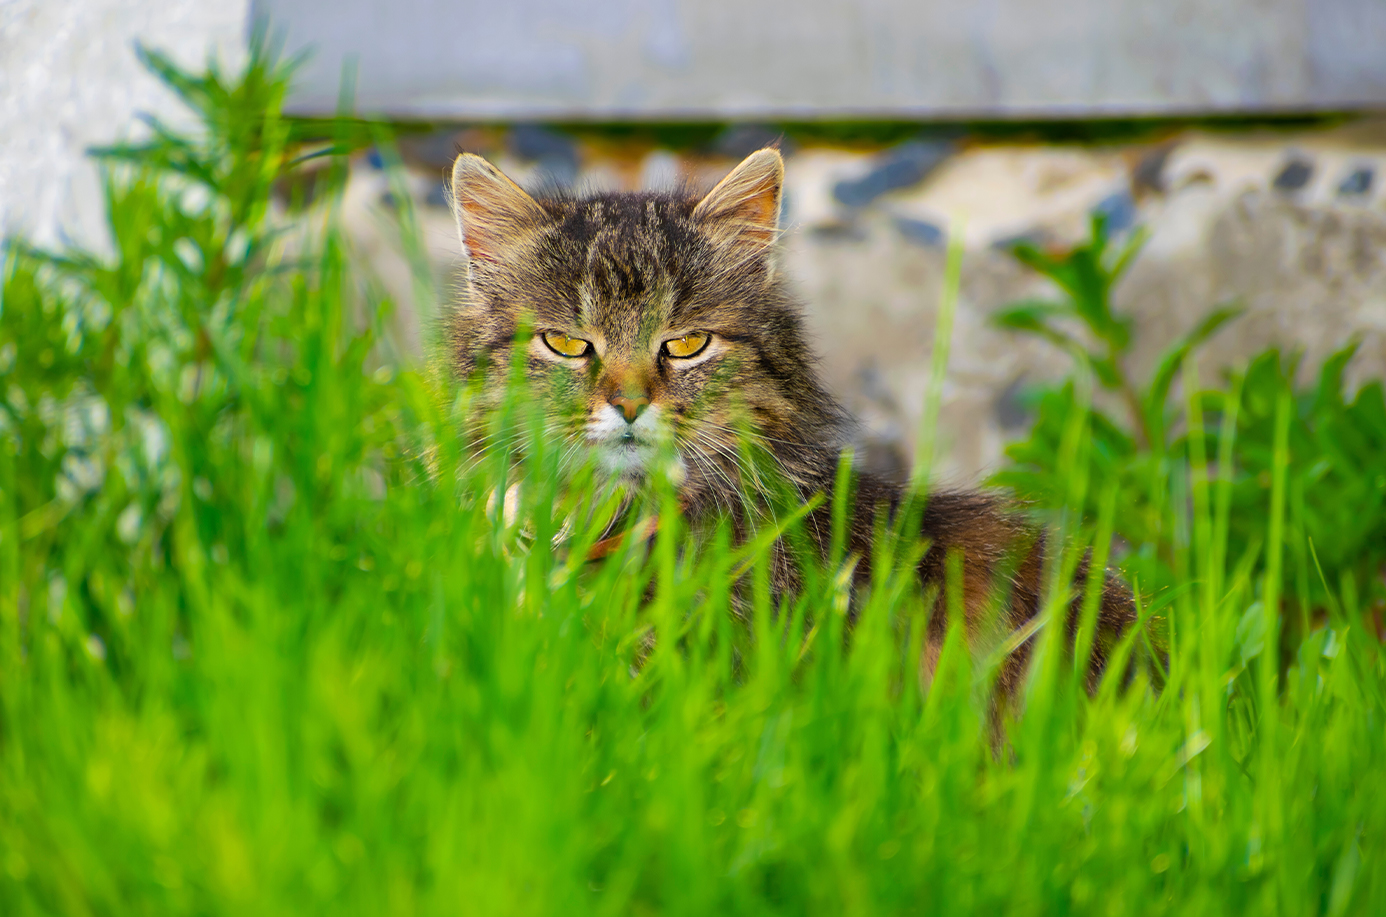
566 346
690 345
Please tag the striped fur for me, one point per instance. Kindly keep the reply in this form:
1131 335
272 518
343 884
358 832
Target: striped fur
628 272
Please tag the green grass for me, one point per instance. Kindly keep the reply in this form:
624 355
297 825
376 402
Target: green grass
264 649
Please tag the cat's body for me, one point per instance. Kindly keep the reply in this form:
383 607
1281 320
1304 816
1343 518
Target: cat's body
662 332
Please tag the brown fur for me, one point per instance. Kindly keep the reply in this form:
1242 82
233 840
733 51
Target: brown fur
629 272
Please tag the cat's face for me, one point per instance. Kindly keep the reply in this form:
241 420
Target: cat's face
652 328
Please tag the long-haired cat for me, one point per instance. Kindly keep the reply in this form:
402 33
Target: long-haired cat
661 327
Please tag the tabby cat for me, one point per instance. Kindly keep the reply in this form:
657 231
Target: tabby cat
660 327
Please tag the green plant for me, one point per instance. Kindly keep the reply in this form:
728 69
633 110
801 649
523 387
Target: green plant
1336 475
1143 452
1085 275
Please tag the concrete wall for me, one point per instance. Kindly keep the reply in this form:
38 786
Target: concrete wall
814 58
69 80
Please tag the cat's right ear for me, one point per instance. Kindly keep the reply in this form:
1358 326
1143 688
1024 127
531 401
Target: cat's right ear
493 213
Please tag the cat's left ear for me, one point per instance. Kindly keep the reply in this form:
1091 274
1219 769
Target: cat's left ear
744 208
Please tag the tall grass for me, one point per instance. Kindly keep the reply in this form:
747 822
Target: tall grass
267 647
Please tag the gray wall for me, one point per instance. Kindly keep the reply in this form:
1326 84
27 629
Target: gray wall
813 58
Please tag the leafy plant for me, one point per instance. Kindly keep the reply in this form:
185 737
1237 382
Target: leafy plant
1086 274
1140 455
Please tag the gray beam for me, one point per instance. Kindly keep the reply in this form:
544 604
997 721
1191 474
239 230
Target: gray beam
830 58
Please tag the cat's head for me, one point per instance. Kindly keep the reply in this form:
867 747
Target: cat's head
651 325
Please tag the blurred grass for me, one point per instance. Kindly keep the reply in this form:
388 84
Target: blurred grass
265 649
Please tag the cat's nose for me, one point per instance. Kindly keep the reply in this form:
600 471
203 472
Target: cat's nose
630 406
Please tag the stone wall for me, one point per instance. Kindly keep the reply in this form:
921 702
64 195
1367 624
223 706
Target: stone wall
1293 226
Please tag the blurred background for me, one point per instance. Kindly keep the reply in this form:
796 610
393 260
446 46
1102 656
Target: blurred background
1246 137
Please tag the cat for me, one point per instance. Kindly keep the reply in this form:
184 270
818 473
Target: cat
658 326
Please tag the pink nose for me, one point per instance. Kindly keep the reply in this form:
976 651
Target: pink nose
631 407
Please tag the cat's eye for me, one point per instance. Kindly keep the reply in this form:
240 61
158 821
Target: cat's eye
689 345
566 346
